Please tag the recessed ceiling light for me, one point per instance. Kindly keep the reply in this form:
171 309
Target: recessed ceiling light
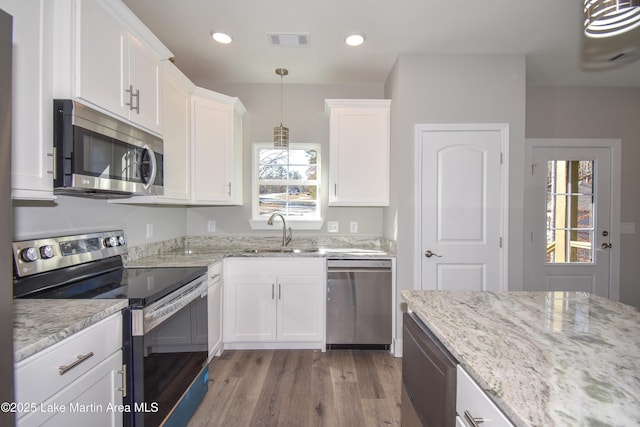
354 39
221 37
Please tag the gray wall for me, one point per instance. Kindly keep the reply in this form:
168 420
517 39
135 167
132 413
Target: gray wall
587 112
68 215
452 89
303 114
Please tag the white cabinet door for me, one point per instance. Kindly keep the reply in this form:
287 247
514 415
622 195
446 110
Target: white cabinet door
102 59
176 133
144 80
251 316
115 70
216 149
358 152
87 401
300 308
31 125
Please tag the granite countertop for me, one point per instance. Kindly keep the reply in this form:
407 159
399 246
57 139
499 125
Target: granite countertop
38 324
544 358
195 256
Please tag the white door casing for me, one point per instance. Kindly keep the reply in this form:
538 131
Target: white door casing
601 275
462 199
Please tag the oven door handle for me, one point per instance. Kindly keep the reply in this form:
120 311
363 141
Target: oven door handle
158 312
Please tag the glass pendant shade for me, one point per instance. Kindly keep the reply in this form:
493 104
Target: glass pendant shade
280 136
608 18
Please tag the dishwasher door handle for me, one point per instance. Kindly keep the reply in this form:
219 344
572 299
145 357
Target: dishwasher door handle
358 270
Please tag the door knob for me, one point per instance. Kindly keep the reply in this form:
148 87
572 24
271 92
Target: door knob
606 246
429 254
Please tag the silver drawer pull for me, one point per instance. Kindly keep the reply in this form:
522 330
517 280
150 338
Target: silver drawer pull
474 421
81 358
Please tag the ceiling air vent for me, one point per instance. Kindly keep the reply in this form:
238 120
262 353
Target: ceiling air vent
288 39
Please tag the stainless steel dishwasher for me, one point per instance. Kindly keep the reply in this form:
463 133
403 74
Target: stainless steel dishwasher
359 303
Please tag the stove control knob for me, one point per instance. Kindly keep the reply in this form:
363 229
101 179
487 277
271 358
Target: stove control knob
121 240
46 251
29 254
110 242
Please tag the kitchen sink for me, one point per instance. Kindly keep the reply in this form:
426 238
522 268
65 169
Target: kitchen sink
281 250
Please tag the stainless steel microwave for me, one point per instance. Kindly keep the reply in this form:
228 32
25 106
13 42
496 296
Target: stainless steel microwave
96 154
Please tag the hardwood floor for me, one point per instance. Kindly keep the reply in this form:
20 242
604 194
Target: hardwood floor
302 388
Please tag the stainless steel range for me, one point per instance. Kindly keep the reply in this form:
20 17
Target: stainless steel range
165 345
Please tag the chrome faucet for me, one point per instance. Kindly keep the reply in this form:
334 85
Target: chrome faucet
285 238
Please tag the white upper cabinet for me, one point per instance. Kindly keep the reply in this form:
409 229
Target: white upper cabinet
32 108
358 151
114 61
176 134
216 148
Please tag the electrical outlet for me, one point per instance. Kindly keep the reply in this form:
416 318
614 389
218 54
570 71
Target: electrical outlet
149 231
353 226
211 226
333 226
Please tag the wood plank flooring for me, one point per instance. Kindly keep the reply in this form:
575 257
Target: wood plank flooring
302 388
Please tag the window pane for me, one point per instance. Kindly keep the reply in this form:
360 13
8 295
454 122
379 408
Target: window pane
292 200
570 204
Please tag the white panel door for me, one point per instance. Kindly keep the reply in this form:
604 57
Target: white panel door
462 206
570 223
300 302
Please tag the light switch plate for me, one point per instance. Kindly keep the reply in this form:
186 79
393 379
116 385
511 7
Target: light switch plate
627 228
333 226
353 226
211 226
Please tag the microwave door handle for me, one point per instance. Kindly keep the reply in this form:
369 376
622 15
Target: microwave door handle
152 178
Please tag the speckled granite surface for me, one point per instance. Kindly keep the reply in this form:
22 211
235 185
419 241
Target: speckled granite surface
38 324
545 358
204 251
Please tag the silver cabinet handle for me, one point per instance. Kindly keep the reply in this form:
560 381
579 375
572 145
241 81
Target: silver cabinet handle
130 92
474 421
279 291
123 372
229 191
273 291
429 254
137 96
81 358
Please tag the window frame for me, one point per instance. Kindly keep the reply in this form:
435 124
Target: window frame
258 222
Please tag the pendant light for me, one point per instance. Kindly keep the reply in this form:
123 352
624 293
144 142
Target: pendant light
607 18
281 133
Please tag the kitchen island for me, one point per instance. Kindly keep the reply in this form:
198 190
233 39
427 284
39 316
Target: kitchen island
544 358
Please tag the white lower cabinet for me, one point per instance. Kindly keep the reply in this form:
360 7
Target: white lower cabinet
78 381
473 405
214 311
274 300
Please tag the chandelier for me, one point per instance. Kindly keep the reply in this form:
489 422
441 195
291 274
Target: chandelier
607 18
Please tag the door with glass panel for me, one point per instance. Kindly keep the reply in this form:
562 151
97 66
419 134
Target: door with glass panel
568 220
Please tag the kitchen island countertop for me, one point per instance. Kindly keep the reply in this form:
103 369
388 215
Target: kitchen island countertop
544 358
39 324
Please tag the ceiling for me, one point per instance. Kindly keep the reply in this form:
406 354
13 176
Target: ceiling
548 32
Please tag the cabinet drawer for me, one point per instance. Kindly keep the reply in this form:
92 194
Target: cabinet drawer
262 267
38 377
471 399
